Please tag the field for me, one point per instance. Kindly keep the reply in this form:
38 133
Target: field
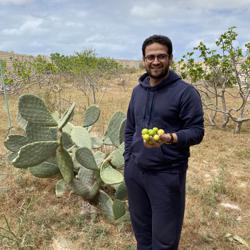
218 183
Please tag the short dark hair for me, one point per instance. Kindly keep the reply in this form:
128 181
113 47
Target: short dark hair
164 40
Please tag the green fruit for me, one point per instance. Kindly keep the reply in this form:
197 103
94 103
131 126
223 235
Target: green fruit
151 132
150 142
156 138
155 129
144 131
160 132
146 137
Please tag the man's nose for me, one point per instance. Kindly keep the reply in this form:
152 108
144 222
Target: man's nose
156 60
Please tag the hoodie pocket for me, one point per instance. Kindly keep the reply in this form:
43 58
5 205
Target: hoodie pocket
147 157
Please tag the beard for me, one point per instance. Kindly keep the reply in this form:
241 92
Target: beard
157 73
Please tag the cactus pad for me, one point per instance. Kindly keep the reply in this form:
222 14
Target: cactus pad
86 158
87 192
15 142
110 175
44 170
121 191
91 115
33 110
81 137
38 132
116 157
60 188
66 117
34 153
21 121
99 157
106 204
65 164
66 140
119 209
122 130
96 142
113 130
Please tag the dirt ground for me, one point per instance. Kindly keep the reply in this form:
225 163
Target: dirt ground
217 208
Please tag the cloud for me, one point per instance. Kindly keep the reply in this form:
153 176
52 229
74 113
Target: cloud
216 4
147 11
15 2
32 24
117 28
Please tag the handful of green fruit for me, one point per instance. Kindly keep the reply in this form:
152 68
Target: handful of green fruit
152 135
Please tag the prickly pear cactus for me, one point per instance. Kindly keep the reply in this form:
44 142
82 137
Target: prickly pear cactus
53 146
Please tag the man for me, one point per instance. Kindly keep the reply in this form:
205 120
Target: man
155 173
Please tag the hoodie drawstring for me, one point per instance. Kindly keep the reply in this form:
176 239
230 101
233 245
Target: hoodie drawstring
148 107
151 108
145 109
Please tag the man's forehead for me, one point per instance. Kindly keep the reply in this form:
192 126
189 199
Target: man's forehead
156 48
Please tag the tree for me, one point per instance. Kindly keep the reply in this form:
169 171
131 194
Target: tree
221 73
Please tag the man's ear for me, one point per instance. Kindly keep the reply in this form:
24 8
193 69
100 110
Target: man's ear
171 59
143 62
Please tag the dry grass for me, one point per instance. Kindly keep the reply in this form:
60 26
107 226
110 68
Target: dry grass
219 172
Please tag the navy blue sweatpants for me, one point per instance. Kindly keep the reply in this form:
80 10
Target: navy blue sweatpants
156 205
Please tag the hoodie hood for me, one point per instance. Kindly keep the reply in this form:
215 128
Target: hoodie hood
171 78
152 91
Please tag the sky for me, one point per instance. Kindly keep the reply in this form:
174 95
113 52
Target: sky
115 28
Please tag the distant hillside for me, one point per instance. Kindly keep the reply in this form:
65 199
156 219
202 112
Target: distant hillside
130 63
6 56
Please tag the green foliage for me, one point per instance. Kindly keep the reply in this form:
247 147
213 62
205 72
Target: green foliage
54 146
215 71
42 65
84 62
217 66
5 72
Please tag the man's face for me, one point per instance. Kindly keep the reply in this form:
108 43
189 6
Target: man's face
156 60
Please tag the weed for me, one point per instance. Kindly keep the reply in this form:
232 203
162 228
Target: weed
212 193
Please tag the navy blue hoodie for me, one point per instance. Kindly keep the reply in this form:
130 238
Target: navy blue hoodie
172 105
